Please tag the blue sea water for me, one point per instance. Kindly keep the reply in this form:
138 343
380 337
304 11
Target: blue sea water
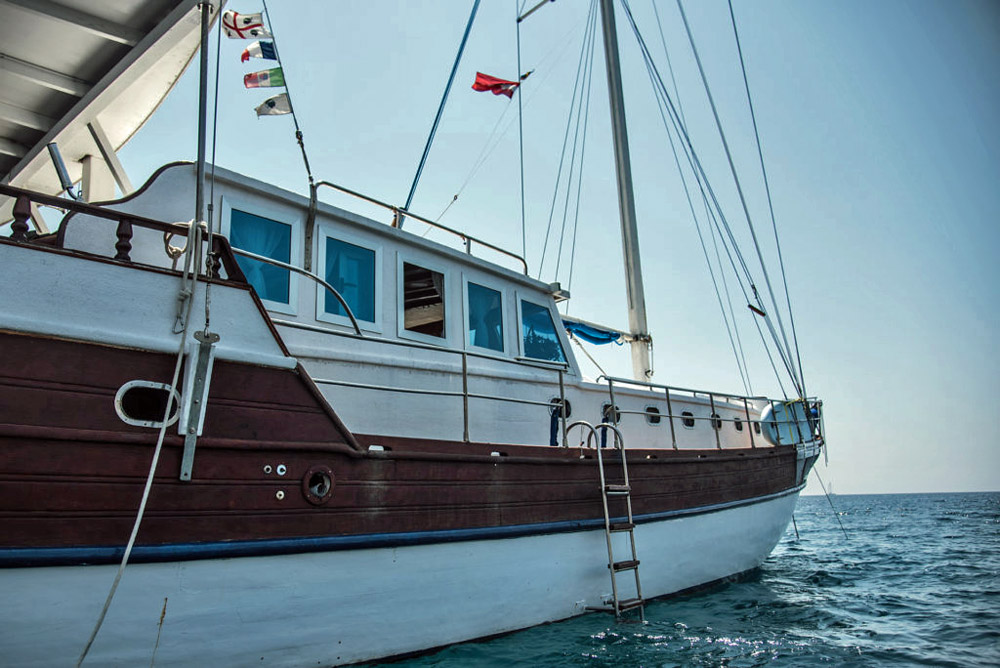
916 582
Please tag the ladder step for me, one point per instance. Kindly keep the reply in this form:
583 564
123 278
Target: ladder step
625 565
630 603
614 490
621 526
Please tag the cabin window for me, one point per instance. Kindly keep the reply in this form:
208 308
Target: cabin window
538 333
687 419
270 238
653 415
485 308
351 270
738 423
716 421
423 301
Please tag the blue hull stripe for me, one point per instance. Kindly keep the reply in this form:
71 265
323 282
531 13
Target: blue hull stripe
93 555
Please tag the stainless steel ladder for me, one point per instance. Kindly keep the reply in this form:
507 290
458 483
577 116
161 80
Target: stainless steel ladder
621 491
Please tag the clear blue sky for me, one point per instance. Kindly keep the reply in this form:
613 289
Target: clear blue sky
878 124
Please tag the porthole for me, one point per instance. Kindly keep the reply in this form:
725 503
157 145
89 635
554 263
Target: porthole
142 403
738 423
555 401
606 414
756 427
687 419
716 421
317 484
653 415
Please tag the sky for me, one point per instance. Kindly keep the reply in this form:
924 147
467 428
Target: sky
878 130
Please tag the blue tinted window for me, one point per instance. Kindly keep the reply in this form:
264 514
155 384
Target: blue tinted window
269 238
350 270
485 318
539 334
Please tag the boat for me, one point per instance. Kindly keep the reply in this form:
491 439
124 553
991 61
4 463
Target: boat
288 434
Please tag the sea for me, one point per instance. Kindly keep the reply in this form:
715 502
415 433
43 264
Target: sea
859 580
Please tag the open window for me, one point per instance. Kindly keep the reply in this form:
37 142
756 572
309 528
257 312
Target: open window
485 317
539 338
352 270
423 301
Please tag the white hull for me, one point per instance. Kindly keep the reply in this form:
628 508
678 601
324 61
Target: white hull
347 606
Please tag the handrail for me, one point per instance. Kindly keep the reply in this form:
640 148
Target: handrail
292 267
399 213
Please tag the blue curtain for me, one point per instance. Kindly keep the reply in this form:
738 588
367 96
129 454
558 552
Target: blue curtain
351 270
269 238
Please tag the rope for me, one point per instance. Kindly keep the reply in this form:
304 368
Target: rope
832 507
589 30
191 262
288 93
440 111
743 202
770 204
584 351
520 128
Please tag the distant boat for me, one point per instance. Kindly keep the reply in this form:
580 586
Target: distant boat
394 453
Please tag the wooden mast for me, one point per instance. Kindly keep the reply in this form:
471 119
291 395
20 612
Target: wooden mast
641 342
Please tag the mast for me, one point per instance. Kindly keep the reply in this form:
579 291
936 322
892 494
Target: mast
641 342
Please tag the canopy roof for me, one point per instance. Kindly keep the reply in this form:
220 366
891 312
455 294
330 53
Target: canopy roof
73 70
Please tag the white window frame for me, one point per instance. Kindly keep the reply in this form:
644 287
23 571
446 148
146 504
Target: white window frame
295 256
506 352
401 331
560 334
328 231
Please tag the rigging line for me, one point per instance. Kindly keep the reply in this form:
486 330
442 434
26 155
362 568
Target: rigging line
687 194
692 156
440 111
583 104
770 204
732 313
588 31
579 181
288 94
690 153
210 235
830 501
739 187
585 352
520 128
670 67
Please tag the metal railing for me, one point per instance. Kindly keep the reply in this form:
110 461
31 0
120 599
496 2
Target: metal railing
815 424
398 214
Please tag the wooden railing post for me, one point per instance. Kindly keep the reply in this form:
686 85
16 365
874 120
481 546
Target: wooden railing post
124 244
22 211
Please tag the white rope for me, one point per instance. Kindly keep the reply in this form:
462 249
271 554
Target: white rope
194 263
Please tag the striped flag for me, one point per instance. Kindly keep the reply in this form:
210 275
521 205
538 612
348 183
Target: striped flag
264 79
243 26
275 106
263 50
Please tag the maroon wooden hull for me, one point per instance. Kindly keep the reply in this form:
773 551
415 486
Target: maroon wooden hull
72 472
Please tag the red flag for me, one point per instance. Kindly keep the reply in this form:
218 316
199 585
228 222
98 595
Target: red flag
494 85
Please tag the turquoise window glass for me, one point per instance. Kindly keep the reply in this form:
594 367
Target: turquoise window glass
485 317
350 270
263 236
539 334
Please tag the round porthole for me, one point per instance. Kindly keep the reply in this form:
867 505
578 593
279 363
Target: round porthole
142 403
555 402
317 484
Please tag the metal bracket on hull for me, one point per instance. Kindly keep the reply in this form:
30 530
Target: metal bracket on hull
196 384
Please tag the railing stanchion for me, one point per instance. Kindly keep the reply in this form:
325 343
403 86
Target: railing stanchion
670 417
562 409
713 418
465 397
746 409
